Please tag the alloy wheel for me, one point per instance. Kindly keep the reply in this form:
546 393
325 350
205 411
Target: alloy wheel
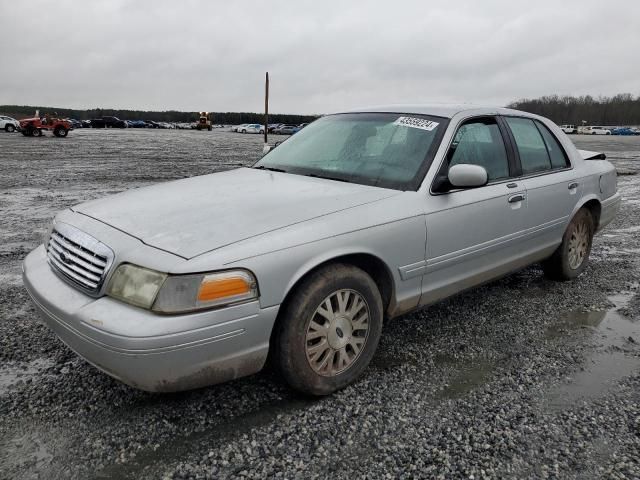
578 245
337 332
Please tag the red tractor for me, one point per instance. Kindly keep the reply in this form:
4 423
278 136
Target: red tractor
33 127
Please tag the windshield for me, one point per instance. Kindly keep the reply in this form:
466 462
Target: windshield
389 150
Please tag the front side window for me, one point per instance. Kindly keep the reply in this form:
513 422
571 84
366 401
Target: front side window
388 150
479 142
531 147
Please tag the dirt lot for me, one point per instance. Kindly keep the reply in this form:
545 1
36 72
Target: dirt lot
523 377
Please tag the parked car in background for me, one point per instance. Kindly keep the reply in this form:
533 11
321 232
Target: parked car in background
624 131
286 129
108 122
86 123
252 128
151 124
360 217
9 124
74 123
273 126
237 128
137 124
569 129
594 130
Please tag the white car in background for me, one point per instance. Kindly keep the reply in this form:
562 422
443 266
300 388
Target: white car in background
596 131
251 128
569 129
9 124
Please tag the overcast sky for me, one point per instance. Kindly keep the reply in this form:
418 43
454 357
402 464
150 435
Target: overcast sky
322 55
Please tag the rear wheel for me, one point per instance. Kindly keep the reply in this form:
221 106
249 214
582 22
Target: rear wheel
329 330
572 256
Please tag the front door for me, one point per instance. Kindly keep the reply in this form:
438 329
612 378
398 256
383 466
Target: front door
472 234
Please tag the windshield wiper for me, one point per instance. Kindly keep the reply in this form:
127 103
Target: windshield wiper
315 175
272 169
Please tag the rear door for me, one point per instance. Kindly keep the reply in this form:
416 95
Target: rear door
472 234
552 188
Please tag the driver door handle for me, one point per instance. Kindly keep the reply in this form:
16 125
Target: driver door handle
516 198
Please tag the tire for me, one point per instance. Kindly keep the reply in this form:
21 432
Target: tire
318 356
9 128
60 132
261 132
209 128
35 132
244 131
572 256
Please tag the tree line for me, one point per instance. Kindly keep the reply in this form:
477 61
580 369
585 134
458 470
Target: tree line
621 109
171 116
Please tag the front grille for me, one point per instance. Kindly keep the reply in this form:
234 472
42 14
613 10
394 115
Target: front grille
78 257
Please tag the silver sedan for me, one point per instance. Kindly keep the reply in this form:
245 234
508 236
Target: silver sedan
360 217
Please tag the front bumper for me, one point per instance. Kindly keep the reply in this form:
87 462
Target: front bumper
145 350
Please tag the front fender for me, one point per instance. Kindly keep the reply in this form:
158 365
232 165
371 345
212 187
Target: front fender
396 244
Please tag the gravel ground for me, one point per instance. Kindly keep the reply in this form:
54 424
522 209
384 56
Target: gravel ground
523 377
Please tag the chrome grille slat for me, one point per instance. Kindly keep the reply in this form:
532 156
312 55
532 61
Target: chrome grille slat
78 258
75 268
100 262
73 275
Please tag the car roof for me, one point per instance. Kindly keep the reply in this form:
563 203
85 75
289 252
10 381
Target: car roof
440 109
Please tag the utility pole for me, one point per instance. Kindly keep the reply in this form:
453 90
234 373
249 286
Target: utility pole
266 111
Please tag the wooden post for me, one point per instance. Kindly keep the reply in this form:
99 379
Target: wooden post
266 109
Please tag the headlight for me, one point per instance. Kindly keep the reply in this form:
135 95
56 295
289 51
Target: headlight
181 293
136 285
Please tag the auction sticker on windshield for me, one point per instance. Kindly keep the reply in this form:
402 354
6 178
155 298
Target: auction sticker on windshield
414 122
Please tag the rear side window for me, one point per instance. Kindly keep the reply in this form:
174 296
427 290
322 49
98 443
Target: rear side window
556 153
531 147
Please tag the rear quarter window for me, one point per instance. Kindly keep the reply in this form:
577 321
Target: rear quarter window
557 154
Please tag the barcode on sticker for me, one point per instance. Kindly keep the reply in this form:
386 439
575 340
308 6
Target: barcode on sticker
414 122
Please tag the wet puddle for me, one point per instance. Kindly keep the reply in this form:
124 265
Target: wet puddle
468 378
15 372
28 453
617 356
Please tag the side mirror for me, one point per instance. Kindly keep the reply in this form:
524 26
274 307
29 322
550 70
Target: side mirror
267 148
465 175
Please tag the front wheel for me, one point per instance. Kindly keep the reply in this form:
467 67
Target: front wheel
329 330
572 256
10 128
60 132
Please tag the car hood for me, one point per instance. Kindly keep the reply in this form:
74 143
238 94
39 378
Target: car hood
196 215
